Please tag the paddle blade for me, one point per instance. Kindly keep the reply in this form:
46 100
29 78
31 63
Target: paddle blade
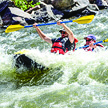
84 19
12 28
23 51
105 40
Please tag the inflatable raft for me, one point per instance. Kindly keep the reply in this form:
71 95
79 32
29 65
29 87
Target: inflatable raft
21 60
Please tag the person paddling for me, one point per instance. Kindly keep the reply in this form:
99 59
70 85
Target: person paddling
63 44
90 40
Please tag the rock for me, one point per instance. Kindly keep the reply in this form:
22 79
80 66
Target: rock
67 4
5 0
62 4
106 1
46 13
13 15
19 12
93 8
32 9
100 3
21 20
79 9
72 7
1 21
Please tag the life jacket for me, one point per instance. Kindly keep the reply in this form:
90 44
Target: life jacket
58 46
92 49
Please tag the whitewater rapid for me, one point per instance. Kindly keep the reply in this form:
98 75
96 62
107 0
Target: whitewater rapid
76 80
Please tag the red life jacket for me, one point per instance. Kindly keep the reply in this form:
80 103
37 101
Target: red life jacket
91 49
58 47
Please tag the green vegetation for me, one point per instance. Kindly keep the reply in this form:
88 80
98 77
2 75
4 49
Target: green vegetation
24 4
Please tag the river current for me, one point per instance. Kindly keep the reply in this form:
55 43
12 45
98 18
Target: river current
75 80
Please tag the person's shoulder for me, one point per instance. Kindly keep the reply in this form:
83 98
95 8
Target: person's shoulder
53 40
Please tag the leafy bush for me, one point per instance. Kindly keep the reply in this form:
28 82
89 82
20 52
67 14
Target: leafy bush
24 4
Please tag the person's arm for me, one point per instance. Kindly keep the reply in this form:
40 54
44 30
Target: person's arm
41 34
91 47
69 32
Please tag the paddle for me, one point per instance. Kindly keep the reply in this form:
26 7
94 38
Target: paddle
82 20
106 40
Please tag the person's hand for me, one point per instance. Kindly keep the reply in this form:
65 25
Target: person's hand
35 25
58 22
91 44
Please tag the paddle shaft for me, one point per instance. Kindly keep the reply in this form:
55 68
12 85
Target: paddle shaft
88 45
47 24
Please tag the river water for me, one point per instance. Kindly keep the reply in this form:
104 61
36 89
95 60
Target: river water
75 80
